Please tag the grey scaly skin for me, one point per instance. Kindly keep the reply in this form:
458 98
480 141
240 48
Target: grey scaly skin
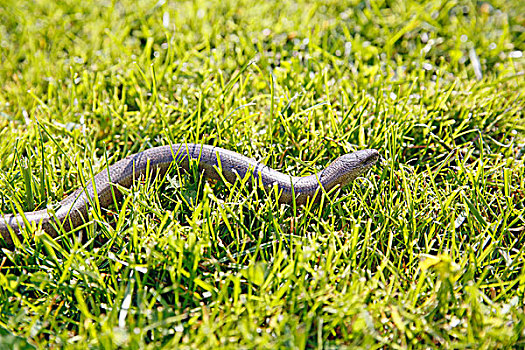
73 210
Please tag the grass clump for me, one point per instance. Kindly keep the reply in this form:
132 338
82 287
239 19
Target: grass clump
424 251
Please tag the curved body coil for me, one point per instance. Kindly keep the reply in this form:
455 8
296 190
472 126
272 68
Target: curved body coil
73 210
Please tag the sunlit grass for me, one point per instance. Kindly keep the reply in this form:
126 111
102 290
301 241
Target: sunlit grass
425 250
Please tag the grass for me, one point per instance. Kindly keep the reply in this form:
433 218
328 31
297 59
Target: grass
425 251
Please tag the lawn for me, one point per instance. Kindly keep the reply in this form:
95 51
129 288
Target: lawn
426 250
